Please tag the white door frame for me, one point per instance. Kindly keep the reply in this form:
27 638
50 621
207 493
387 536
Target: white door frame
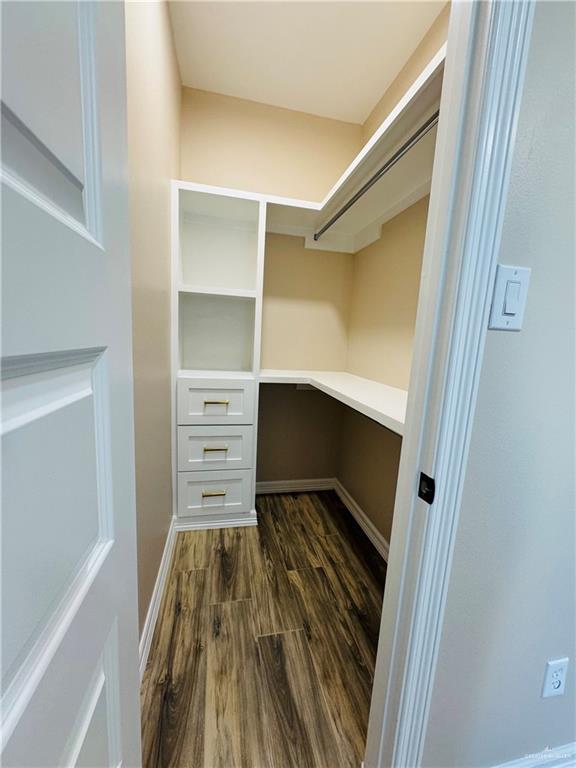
487 52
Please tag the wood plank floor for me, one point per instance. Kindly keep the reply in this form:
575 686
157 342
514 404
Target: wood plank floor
263 654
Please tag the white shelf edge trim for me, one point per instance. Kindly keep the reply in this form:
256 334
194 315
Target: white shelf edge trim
330 484
207 291
200 373
210 189
156 599
380 402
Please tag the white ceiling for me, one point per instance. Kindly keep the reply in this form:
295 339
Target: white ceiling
327 58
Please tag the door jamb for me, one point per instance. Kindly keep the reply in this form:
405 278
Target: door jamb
488 46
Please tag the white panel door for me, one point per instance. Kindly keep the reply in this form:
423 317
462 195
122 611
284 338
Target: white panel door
69 607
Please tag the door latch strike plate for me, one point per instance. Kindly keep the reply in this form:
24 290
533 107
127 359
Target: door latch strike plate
426 488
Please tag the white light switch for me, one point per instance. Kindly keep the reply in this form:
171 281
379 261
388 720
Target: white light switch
509 300
512 298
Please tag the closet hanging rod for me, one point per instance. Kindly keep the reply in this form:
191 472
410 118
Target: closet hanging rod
414 139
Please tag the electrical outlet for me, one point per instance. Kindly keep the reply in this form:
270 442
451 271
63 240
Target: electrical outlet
555 678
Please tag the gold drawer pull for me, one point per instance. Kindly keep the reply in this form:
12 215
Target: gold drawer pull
210 494
211 449
216 402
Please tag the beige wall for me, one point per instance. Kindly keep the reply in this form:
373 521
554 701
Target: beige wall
306 325
247 145
368 467
304 434
511 600
340 312
298 433
243 144
428 48
153 90
385 288
306 306
335 311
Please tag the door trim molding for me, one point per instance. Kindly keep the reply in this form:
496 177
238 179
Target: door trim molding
156 599
14 366
487 53
20 690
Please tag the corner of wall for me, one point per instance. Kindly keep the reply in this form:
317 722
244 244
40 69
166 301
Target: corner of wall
233 142
154 106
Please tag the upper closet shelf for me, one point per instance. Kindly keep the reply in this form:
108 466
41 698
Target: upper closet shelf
384 404
403 185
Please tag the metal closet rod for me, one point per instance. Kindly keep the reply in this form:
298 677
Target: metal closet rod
414 139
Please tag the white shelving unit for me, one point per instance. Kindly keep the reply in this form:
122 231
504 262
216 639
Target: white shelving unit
217 275
217 287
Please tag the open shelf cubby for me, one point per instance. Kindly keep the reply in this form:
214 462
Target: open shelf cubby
218 242
216 332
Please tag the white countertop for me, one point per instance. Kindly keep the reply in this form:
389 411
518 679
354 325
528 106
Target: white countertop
384 404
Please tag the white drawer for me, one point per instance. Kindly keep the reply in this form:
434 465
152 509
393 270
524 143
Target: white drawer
216 401
215 492
205 447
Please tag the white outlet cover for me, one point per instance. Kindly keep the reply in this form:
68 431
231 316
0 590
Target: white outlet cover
555 678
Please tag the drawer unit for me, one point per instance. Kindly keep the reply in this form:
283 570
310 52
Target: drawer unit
215 447
215 401
214 492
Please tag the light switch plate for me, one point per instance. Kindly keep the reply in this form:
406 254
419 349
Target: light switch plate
509 299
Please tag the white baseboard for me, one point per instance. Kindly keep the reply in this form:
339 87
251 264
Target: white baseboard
296 486
379 542
551 757
156 599
331 484
205 523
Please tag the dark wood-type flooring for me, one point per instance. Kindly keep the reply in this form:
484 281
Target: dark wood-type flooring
263 653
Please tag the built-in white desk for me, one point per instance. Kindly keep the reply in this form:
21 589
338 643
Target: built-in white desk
384 404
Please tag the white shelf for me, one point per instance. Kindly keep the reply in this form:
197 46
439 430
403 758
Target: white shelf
208 291
218 241
188 373
384 404
216 332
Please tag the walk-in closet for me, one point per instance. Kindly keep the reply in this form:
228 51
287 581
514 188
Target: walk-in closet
292 328
287 384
